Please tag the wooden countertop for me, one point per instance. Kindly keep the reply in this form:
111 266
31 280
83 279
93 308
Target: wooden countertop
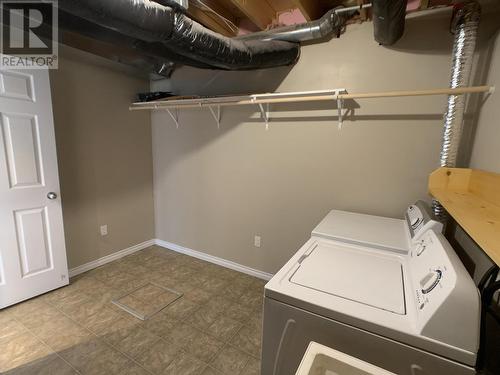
472 198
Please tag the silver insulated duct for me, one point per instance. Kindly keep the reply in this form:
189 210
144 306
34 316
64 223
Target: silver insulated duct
327 26
163 30
465 25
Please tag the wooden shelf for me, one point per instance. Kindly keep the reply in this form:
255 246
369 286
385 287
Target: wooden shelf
472 198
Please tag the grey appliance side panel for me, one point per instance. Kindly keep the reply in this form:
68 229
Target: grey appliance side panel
288 331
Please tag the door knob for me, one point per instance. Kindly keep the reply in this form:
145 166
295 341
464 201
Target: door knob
52 195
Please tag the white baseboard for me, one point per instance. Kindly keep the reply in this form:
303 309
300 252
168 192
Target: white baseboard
213 259
169 245
109 258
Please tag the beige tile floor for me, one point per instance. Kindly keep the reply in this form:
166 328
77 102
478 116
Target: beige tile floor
214 328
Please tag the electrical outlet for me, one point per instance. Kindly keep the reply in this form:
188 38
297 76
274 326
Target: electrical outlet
256 241
104 230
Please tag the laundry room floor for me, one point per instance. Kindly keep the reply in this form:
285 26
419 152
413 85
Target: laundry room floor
214 328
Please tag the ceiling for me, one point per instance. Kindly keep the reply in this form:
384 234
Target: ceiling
236 17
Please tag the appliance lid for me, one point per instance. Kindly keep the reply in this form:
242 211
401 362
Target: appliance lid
376 231
358 275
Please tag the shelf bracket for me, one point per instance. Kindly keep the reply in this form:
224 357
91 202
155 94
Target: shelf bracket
264 114
174 115
216 115
340 107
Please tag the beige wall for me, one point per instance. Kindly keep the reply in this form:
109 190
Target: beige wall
215 189
104 152
486 148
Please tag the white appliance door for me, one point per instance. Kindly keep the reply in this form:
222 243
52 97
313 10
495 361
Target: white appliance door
376 231
347 271
32 247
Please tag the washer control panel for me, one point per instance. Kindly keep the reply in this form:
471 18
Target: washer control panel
430 270
445 296
419 218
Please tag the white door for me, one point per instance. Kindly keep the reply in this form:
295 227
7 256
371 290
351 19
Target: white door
32 248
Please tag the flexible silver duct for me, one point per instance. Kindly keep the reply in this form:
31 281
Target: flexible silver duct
465 24
162 29
330 24
388 24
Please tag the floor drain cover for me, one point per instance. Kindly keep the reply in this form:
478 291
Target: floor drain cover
146 300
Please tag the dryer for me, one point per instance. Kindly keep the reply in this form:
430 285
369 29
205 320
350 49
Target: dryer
378 231
410 313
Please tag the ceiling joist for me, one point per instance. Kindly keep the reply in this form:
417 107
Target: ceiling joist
310 9
211 21
209 13
258 11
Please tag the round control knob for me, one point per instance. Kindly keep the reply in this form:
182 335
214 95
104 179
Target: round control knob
419 249
430 281
415 221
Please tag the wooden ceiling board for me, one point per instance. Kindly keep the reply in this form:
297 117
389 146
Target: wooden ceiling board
210 20
258 11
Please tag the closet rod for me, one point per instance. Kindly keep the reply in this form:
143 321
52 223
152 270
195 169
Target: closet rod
446 91
304 97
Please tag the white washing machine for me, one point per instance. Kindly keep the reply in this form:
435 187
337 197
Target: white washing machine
411 314
377 231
